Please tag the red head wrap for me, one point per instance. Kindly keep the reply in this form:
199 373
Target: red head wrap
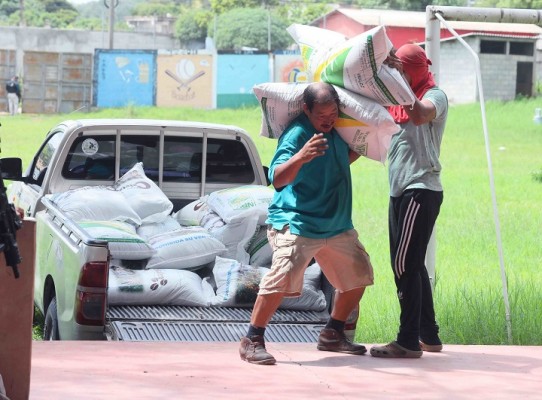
416 65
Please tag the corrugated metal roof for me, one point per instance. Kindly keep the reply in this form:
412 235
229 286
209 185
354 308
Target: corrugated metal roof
498 35
417 19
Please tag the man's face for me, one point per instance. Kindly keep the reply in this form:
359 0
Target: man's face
323 116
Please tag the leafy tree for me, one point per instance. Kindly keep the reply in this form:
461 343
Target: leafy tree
156 7
303 11
221 6
248 27
97 9
87 24
192 25
415 5
36 14
53 6
530 4
8 7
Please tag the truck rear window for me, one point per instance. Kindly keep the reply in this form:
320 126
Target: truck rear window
93 158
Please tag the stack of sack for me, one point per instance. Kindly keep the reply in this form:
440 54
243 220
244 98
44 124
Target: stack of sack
364 83
212 252
154 258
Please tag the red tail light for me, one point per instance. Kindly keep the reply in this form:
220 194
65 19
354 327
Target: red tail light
91 294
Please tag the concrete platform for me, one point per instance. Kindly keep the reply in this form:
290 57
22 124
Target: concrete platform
128 370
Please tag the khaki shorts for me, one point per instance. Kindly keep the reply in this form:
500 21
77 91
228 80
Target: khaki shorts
342 258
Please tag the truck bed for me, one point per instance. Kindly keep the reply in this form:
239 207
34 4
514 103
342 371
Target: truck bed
207 324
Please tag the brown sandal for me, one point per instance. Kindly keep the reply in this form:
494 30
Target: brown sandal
432 348
394 350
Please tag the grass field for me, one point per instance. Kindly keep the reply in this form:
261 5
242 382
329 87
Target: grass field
469 290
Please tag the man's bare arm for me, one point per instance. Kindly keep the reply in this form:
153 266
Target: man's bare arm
285 173
421 112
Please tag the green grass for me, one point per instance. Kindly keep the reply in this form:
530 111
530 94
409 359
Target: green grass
468 294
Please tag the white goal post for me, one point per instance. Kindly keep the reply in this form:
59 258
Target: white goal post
435 15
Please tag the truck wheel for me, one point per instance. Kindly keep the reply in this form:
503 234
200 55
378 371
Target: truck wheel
50 328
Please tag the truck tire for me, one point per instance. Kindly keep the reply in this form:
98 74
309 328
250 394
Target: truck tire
50 328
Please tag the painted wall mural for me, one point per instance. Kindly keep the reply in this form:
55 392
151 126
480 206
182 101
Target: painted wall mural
290 68
237 74
124 77
185 81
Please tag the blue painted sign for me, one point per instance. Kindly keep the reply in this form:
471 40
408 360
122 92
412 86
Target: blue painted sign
124 77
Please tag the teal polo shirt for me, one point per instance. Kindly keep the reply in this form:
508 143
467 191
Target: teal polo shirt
318 203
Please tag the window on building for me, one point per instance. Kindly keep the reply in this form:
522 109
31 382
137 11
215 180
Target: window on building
492 47
522 48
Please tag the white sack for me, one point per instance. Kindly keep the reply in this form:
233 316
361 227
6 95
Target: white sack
192 213
234 235
186 248
123 241
237 284
96 203
312 297
143 195
240 201
150 229
156 287
364 124
355 64
258 248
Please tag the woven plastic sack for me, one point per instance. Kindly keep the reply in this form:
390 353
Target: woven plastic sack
193 213
143 195
258 248
364 124
123 241
355 64
156 287
237 284
95 203
187 248
150 229
241 201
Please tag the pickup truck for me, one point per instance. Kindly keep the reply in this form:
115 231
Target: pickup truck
186 160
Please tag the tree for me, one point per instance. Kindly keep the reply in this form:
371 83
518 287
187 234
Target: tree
8 7
87 24
415 5
242 27
156 8
303 11
192 25
62 14
54 6
530 4
221 6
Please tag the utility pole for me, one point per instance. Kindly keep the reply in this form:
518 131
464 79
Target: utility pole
22 21
112 5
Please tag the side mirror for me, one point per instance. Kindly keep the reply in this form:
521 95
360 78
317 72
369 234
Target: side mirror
12 168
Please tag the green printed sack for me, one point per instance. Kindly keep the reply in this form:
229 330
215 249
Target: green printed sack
364 124
355 64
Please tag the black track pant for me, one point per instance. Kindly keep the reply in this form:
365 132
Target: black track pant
411 220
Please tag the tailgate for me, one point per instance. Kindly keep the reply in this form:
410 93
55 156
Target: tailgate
207 324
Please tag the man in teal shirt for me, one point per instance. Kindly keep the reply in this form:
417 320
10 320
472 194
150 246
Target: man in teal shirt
311 217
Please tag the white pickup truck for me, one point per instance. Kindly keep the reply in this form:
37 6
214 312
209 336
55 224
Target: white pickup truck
187 160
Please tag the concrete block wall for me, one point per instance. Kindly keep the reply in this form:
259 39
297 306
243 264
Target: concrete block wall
457 73
498 76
